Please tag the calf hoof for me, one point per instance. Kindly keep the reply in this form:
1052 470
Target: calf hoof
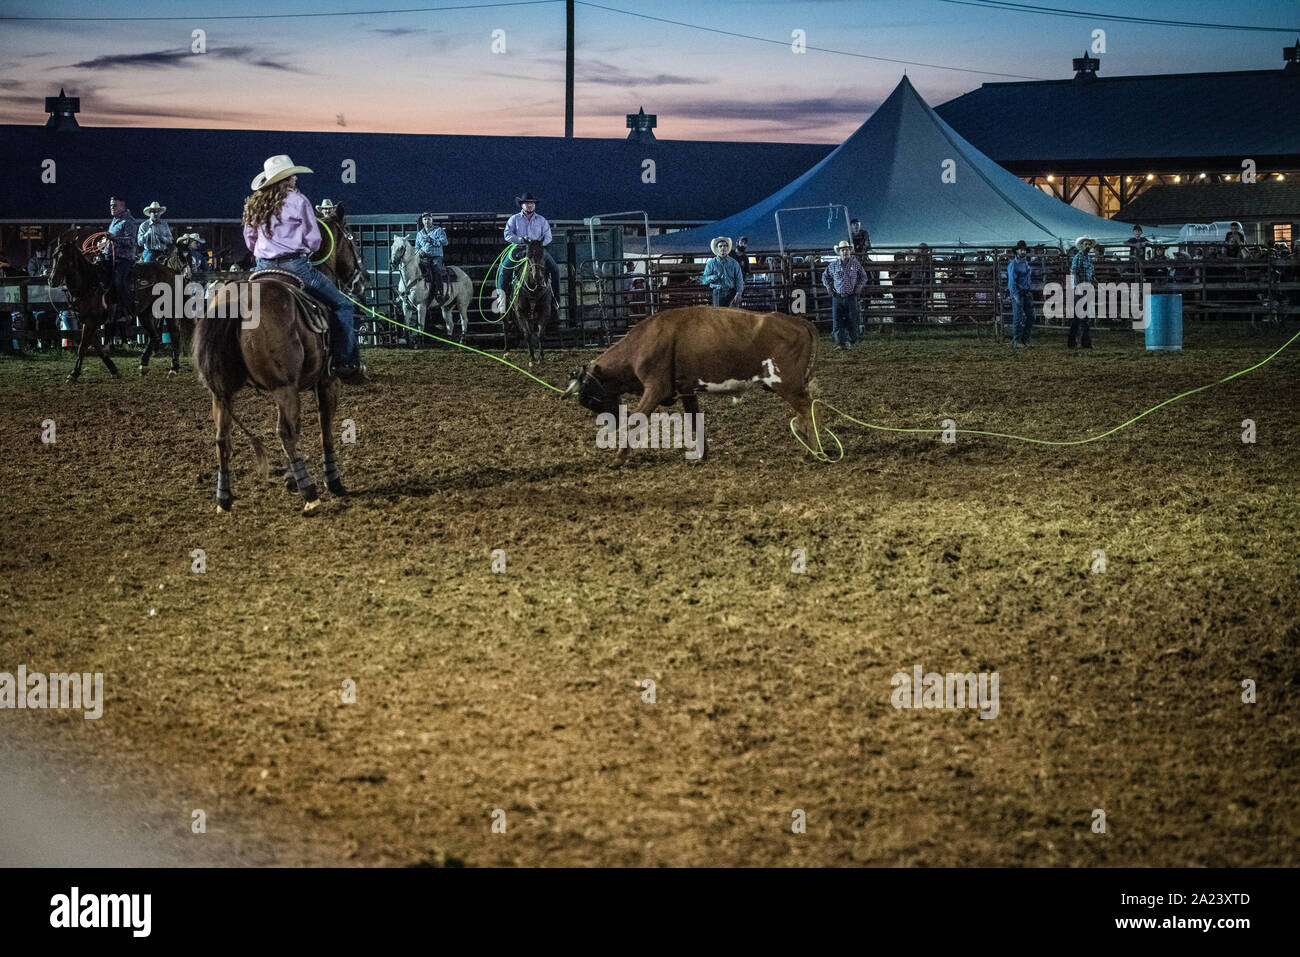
336 487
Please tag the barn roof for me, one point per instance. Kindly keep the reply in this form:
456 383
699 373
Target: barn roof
1183 116
1212 202
205 174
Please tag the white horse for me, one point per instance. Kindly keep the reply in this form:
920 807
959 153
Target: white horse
417 296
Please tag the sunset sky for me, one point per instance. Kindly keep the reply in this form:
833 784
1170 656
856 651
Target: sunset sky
432 70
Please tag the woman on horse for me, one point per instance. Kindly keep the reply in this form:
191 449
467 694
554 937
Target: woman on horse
281 232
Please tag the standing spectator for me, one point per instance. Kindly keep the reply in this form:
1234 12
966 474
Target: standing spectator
1083 273
722 274
844 279
195 260
1233 242
1020 286
37 265
1137 244
860 238
923 278
738 254
154 236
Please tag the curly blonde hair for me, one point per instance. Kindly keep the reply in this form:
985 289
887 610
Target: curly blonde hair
264 204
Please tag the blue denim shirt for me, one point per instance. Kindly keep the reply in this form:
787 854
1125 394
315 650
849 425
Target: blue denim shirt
155 237
1018 275
723 272
122 231
431 243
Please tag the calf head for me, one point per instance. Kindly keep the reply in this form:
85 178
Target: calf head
590 390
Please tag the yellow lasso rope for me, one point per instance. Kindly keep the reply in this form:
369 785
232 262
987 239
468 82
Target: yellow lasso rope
450 342
507 255
821 455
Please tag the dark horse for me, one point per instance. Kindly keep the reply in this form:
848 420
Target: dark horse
88 288
534 303
276 350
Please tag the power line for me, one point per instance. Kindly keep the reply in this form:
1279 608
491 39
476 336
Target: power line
283 16
1115 17
786 43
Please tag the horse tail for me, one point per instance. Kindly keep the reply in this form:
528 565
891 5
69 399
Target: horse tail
217 355
220 363
259 450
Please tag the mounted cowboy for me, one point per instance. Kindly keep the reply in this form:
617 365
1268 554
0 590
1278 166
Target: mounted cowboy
120 249
430 241
154 236
280 230
520 228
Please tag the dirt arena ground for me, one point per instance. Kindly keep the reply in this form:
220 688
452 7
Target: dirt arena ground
1119 690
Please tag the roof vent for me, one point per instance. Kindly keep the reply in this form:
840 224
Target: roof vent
62 110
642 125
1086 68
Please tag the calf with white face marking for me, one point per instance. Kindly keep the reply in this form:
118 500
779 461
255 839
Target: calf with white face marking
701 349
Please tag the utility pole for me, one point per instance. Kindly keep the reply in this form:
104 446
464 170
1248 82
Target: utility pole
568 72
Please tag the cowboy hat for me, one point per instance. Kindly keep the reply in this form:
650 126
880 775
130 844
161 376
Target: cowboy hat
155 205
720 241
326 205
526 198
275 169
844 244
425 215
1078 243
192 237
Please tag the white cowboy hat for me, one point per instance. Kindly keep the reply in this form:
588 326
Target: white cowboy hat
1078 243
844 244
275 169
192 237
326 204
155 205
718 242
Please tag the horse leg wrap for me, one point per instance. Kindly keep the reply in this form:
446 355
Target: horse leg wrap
224 498
300 476
332 480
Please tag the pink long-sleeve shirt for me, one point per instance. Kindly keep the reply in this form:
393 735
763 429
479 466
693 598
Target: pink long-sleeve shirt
294 230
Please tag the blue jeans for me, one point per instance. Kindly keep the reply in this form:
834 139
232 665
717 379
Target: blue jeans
1022 315
722 295
344 333
121 282
844 320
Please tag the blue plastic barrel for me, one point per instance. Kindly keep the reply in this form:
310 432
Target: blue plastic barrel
1164 314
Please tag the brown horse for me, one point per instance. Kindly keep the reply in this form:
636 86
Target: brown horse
259 331
89 289
534 302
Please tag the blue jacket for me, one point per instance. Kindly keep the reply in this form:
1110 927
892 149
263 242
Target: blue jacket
1018 275
431 243
122 231
723 272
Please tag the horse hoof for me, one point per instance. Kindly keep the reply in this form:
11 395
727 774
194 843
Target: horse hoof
336 487
172 372
289 484
309 508
144 370
223 508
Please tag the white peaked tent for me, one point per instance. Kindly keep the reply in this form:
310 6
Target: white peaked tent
888 174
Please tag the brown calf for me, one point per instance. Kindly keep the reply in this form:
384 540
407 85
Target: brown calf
700 349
